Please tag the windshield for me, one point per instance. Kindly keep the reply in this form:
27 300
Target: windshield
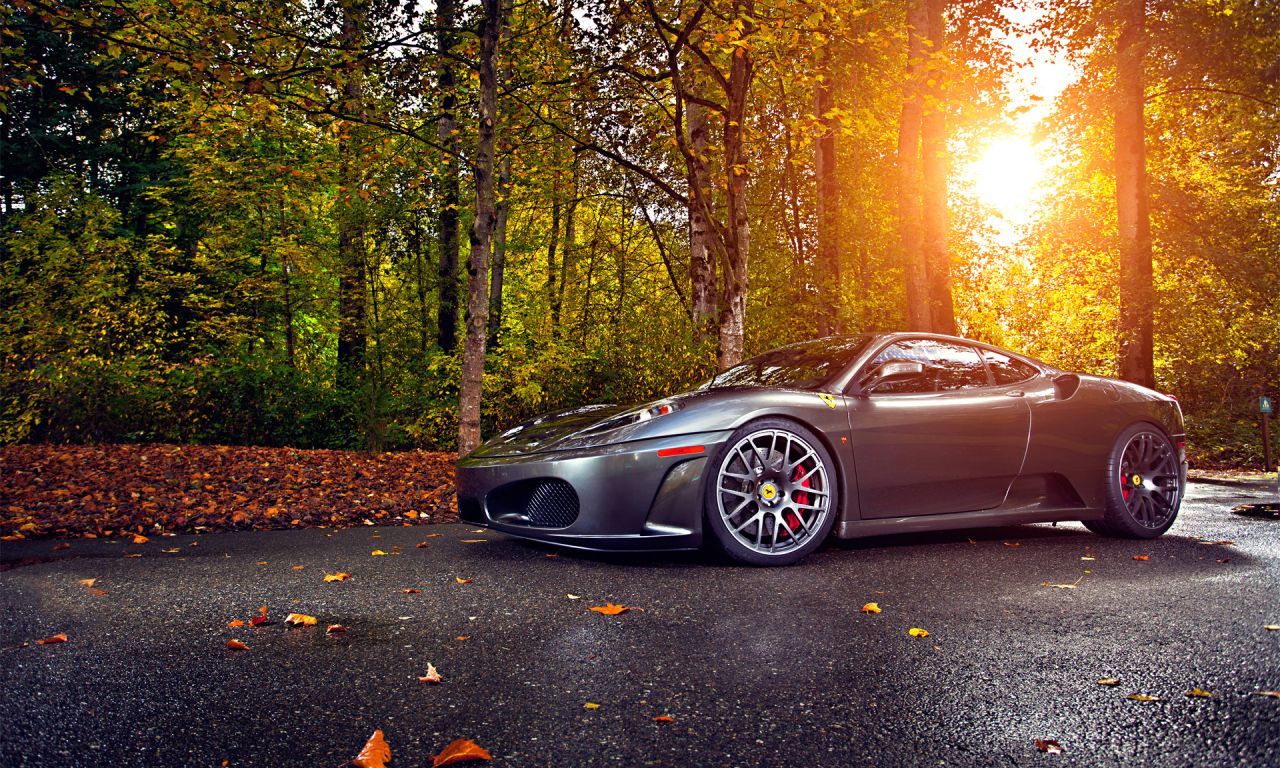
806 365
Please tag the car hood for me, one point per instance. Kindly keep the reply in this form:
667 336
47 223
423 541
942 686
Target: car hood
548 432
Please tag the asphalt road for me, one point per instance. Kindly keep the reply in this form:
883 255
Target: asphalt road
755 667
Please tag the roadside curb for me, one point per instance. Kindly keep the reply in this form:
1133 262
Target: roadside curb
1259 484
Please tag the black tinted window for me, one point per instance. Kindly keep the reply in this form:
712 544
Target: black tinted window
946 367
1005 369
798 366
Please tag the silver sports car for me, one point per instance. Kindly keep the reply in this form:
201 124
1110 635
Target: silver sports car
848 435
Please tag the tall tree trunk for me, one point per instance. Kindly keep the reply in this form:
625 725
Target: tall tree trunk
914 276
503 209
567 253
470 391
1137 294
447 224
553 271
351 262
702 263
733 311
420 277
933 184
828 280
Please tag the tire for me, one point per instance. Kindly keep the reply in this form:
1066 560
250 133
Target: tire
772 494
1144 485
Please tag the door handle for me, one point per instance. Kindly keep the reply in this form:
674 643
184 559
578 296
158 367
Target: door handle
1015 393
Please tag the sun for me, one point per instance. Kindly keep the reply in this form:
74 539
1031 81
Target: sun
1007 177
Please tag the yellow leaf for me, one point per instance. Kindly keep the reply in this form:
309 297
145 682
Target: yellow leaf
871 608
917 632
589 705
1198 692
300 618
1141 697
1272 627
1272 694
378 552
462 580
1109 681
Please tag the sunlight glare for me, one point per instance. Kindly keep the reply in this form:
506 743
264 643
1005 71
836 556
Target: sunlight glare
1006 179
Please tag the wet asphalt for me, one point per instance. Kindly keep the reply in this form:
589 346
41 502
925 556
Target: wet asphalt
754 667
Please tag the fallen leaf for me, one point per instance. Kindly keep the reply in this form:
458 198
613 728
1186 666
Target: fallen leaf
337 576
236 645
236 623
1221 543
261 563
1198 692
664 719
573 597
1272 694
1141 697
15 647
140 539
336 628
375 754
300 618
1014 544
1063 586
1088 558
411 591
458 751
126 554
473 541
422 545
378 552
432 675
1109 681
97 591
256 620
609 609
61 637
1224 560
63 545
468 637
1272 627
429 535
462 580
871 608
1050 746
194 544
1141 557
170 551
589 705
298 567
87 582
14 537
556 554
917 632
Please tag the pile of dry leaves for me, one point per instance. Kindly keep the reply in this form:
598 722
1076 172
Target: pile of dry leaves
59 491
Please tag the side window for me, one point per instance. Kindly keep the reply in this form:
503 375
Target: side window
947 367
1005 369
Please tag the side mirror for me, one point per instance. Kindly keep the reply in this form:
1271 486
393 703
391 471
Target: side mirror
894 370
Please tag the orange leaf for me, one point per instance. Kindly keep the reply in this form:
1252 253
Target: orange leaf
375 754
613 610
462 580
61 637
870 608
97 591
1141 557
236 645
126 554
1014 544
300 618
432 675
87 582
194 544
236 623
423 544
411 591
664 719
458 751
1050 746
140 539
339 576
263 611
336 628
14 537
468 637
429 535
63 545
298 567
256 620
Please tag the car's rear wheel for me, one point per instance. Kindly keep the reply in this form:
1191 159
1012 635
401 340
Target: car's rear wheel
771 499
1144 485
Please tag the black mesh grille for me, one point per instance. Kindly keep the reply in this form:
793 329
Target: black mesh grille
552 504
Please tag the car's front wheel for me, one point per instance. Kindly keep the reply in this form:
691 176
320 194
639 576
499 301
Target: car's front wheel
1144 485
773 496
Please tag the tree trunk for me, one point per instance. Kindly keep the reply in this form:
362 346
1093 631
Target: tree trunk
447 222
1137 294
933 171
828 279
471 388
913 267
499 252
702 264
733 311
569 250
553 271
351 276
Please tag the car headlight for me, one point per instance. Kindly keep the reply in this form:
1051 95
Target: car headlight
636 416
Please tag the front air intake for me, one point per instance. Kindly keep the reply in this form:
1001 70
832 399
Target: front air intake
541 503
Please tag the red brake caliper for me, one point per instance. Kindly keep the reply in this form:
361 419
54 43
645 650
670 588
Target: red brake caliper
801 498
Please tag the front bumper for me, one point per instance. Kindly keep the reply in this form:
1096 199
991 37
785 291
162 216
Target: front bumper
628 497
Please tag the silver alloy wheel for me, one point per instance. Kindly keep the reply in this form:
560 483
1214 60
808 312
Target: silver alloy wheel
1150 483
773 492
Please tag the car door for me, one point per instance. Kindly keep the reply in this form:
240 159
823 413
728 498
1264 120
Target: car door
949 440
